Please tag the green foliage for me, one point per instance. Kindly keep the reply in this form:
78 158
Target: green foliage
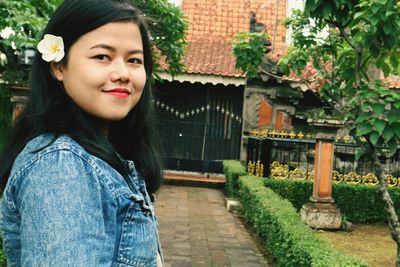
290 241
298 192
233 170
27 20
362 203
358 203
380 119
362 35
3 260
249 49
168 28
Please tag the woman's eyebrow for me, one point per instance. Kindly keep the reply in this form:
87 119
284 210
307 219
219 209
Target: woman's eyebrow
112 49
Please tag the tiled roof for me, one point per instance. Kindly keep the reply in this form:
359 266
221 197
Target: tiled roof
214 23
210 57
309 76
392 81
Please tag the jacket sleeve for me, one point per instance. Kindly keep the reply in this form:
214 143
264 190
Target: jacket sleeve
64 213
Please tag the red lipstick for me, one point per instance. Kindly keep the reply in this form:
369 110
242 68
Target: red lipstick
119 92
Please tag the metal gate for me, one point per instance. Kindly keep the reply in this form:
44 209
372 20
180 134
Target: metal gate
197 146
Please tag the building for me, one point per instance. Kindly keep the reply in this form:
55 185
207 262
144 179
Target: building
208 111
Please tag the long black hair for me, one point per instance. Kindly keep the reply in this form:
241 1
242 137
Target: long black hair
50 110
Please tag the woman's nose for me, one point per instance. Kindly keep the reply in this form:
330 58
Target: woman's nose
120 72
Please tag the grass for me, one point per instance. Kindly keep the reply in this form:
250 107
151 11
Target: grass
372 243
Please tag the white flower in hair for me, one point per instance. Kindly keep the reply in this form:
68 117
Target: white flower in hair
52 48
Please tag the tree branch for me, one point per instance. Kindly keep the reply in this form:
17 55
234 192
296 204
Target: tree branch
365 61
269 73
342 32
358 65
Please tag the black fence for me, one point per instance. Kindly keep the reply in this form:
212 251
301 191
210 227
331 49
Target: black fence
197 146
300 154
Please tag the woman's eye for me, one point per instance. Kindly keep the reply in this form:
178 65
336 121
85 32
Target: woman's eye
135 61
102 57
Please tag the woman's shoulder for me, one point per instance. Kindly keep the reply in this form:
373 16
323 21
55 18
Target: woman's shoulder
49 165
45 144
50 147
58 153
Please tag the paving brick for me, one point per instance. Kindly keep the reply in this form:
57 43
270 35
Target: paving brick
196 230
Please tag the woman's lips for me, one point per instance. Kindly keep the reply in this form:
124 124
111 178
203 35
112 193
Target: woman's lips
119 92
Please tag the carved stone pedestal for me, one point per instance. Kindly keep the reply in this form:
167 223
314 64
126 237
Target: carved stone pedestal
320 212
321 215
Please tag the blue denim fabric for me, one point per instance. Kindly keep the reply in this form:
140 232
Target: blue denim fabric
64 207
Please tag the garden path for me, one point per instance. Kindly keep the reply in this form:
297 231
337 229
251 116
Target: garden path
196 230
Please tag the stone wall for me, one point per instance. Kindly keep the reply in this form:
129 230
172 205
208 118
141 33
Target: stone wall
263 110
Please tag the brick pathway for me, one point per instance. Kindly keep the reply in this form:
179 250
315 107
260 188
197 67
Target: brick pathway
196 230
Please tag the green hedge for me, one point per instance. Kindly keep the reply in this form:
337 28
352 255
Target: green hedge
298 192
290 241
362 203
233 169
358 203
3 260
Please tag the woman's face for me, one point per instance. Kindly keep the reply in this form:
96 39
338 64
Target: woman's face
105 73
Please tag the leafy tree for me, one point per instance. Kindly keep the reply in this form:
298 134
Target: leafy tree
247 48
344 66
22 22
168 29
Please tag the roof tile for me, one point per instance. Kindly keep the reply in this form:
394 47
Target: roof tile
214 23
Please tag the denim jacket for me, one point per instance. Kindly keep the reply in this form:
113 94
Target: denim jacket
65 207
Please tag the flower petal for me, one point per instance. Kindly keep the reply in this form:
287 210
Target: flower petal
42 47
59 56
48 57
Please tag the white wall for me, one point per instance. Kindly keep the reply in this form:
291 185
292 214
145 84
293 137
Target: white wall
292 4
299 4
176 2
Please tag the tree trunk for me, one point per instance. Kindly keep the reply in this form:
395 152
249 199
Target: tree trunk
393 219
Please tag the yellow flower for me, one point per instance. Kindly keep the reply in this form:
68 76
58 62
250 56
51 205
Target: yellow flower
52 48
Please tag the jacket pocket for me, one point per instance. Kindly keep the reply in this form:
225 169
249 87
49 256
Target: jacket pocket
138 243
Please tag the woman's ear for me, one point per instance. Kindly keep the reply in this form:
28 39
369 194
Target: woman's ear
56 69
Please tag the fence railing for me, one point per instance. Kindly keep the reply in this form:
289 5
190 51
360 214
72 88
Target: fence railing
200 141
281 158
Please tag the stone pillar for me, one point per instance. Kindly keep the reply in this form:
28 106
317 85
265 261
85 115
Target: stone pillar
18 99
320 212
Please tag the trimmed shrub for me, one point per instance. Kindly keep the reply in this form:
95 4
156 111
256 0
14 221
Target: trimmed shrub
290 241
298 192
363 203
3 260
233 169
358 203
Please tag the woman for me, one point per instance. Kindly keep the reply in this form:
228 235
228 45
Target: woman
82 159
